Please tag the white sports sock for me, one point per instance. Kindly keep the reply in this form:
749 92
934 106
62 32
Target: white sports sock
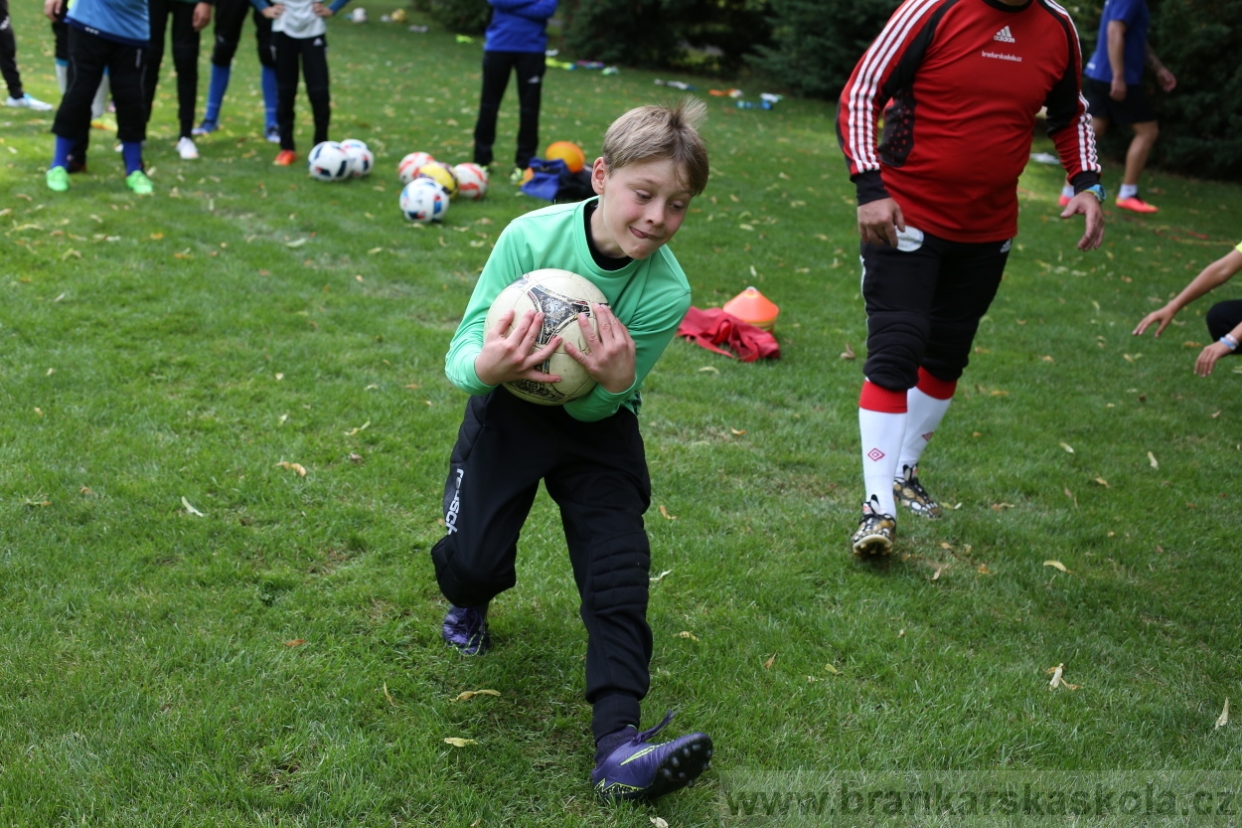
882 435
1127 191
62 76
925 413
1068 191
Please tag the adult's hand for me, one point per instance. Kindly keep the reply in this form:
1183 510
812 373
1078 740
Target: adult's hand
51 8
1117 90
1089 206
1167 82
879 221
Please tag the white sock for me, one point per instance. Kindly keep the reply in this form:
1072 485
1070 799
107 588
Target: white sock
62 76
1068 191
882 435
925 413
1127 191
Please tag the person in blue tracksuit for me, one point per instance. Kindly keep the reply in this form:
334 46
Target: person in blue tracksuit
516 41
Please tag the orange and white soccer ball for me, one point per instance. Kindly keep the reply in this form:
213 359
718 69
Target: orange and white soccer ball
407 169
471 181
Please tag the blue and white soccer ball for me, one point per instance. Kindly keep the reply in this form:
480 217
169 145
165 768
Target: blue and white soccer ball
424 200
328 162
361 160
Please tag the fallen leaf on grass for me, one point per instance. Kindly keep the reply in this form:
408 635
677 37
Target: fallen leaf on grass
459 742
1047 359
982 569
687 634
297 642
767 665
1101 481
355 457
296 467
664 513
388 695
1070 495
659 822
1056 565
660 577
297 243
1057 678
1152 458
848 353
470 694
1000 507
832 669
190 508
1224 716
86 490
709 369
354 431
737 432
1068 447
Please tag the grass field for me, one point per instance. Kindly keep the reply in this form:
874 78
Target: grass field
192 633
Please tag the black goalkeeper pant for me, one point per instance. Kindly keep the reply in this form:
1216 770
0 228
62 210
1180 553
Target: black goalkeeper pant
597 474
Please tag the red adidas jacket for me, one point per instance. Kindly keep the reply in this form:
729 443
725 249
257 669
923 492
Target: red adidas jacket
963 81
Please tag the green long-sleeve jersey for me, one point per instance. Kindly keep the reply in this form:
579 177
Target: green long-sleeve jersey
650 297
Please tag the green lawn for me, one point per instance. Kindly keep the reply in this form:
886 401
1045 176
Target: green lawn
193 634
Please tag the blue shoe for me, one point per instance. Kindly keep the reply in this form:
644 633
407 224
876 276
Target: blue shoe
637 770
465 628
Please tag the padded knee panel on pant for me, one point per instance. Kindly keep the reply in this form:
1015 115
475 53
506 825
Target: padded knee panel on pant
895 344
462 586
222 53
948 351
620 570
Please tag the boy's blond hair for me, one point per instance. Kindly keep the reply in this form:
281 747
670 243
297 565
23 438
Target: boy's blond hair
654 132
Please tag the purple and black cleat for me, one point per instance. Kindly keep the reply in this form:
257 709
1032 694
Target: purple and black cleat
637 770
465 629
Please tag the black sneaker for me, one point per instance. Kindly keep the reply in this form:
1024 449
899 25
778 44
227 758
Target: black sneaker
876 530
911 494
465 629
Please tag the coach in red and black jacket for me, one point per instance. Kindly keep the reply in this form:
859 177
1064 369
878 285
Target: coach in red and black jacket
963 81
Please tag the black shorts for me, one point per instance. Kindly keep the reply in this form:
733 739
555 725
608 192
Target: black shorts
1135 109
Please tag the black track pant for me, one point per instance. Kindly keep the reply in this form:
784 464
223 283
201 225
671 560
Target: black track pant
8 53
924 307
312 54
1223 318
230 15
529 67
597 474
185 43
88 55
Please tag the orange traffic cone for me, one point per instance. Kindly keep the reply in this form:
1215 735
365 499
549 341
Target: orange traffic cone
752 306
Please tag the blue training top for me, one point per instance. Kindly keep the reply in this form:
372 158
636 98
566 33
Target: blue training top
121 21
519 25
1136 17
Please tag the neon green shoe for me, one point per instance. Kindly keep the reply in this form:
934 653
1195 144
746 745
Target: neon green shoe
58 179
139 183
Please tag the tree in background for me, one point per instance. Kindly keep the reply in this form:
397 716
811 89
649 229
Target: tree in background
815 43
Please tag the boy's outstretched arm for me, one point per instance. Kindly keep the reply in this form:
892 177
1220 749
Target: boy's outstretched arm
1212 276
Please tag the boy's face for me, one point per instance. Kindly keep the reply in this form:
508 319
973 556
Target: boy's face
641 207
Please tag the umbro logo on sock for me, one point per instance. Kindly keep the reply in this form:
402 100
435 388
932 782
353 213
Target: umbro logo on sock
1004 36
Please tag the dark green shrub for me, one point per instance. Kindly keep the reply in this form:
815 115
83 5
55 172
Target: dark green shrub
815 43
464 16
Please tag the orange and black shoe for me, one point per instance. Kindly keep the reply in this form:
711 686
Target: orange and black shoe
285 158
